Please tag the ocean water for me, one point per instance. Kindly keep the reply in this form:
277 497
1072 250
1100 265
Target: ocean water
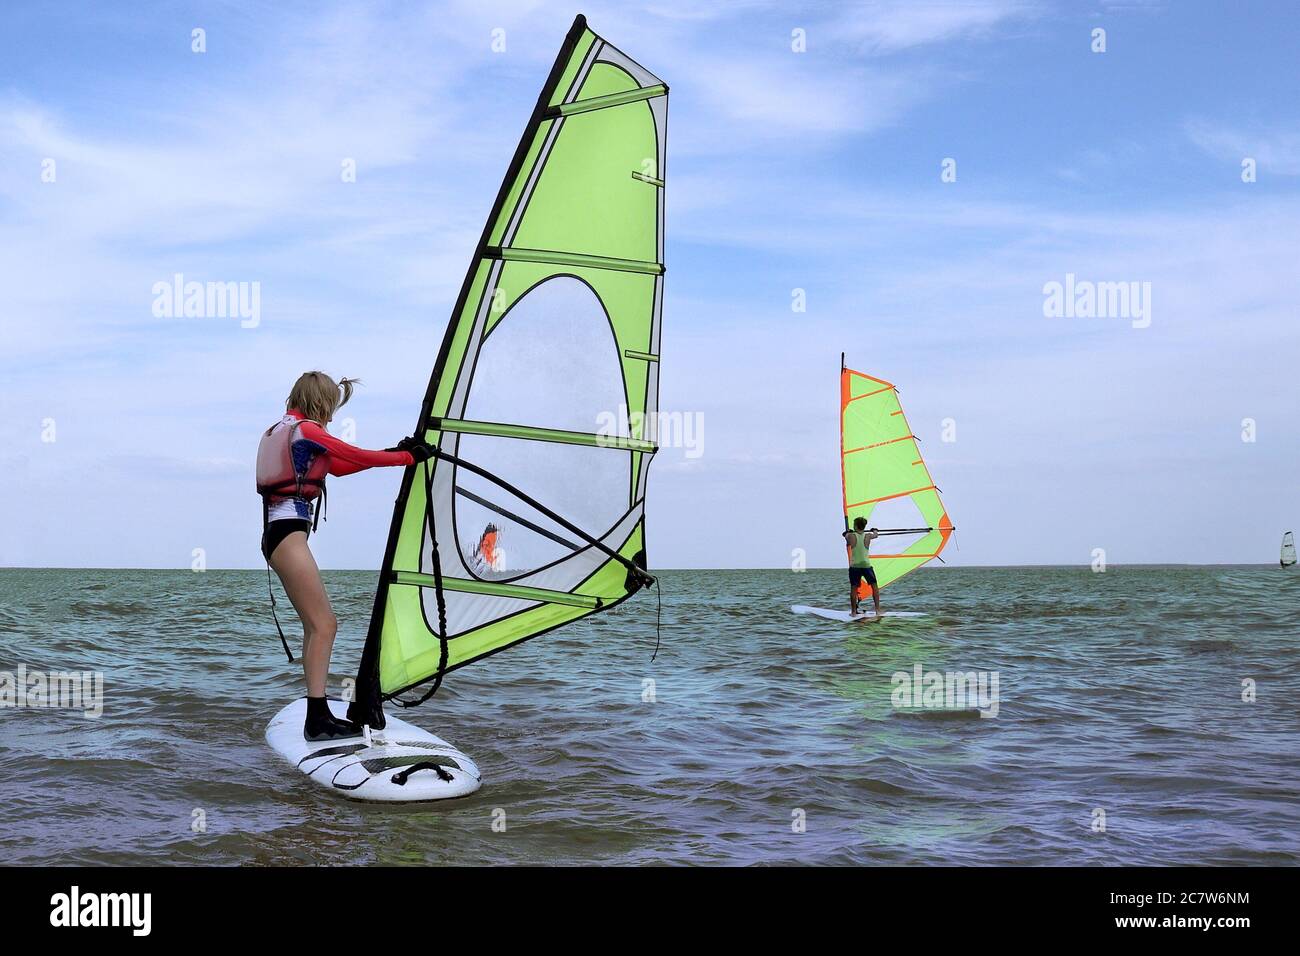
1121 735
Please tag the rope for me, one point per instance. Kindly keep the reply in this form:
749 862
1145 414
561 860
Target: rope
437 586
659 613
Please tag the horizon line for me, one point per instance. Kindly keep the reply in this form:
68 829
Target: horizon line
987 567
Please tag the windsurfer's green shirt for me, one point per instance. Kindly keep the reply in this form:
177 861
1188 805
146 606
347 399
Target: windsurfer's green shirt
858 545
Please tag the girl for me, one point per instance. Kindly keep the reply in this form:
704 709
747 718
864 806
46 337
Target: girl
295 455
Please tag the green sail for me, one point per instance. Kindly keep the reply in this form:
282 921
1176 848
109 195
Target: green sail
543 396
882 471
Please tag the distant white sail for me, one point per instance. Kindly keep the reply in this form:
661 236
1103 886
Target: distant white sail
1288 549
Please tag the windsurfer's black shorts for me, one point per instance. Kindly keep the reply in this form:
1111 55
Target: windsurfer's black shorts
857 574
277 531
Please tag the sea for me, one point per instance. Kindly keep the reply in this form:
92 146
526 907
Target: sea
1035 716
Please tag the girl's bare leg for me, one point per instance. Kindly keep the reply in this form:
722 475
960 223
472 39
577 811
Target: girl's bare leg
292 560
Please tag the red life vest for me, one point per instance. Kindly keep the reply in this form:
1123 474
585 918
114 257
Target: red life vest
278 478
276 475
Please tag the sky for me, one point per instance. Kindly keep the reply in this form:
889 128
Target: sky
898 181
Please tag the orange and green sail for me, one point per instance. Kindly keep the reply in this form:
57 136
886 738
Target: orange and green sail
885 480
542 399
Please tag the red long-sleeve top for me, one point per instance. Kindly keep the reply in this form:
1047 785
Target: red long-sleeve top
345 459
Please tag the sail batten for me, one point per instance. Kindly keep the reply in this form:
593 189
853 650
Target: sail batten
897 494
556 332
563 436
473 586
605 102
577 260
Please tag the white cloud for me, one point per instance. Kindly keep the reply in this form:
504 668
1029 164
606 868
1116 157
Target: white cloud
888 26
1277 150
227 168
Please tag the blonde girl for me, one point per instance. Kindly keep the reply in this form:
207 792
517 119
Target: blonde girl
293 459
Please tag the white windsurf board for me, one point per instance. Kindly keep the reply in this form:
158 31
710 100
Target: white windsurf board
400 763
847 618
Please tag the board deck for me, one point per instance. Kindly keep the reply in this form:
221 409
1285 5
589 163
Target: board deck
401 763
847 618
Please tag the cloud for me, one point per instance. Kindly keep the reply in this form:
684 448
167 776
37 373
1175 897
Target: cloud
780 96
786 171
895 25
1276 149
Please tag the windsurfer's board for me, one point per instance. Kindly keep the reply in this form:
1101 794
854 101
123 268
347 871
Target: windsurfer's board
400 763
848 618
